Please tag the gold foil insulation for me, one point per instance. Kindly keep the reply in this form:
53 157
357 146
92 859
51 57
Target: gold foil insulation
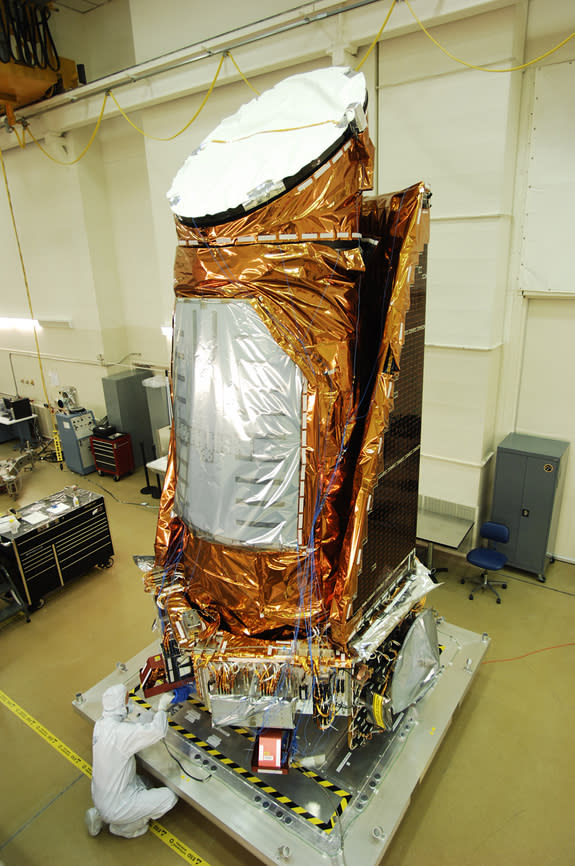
298 262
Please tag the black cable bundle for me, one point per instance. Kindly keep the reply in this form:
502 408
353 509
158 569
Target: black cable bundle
25 35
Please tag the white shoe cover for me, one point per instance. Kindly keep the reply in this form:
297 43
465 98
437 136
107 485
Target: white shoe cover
93 821
130 830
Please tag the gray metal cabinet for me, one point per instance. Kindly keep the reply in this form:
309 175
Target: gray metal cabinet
528 478
127 410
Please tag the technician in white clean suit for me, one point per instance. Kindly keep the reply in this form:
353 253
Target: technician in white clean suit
120 797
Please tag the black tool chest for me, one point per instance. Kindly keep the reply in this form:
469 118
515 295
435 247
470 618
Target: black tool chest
68 536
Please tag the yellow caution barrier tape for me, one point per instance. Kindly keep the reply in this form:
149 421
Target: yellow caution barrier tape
172 842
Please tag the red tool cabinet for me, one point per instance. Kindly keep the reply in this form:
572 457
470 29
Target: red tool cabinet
113 454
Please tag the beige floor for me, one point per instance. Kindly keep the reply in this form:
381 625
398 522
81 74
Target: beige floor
500 791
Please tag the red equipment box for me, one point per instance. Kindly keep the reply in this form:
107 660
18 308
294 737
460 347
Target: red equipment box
154 678
271 751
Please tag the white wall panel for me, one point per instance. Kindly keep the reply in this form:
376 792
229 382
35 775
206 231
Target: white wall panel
454 128
167 26
414 57
451 132
466 281
50 219
546 258
449 482
50 213
548 24
102 40
457 399
492 380
126 175
546 406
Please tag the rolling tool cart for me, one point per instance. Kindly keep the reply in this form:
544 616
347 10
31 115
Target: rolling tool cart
113 454
56 540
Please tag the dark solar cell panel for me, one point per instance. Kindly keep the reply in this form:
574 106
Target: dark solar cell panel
392 522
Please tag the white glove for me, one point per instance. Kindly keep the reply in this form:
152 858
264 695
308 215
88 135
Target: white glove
165 700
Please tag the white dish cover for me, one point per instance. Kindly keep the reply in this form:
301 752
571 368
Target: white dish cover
243 161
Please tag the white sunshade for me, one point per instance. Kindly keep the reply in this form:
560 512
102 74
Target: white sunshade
245 158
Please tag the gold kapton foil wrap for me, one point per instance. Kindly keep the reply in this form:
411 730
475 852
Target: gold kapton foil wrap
306 293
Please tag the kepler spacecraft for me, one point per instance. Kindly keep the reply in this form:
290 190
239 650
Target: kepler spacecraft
289 594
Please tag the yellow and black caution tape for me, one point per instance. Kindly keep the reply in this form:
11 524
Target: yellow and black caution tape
172 842
265 787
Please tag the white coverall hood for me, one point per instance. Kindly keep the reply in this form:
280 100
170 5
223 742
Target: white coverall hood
114 700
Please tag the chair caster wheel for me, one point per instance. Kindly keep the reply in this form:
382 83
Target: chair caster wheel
503 586
541 578
498 601
471 597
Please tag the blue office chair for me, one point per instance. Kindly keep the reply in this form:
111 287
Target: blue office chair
488 559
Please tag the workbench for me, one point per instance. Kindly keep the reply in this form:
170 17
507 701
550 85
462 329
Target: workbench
20 427
443 529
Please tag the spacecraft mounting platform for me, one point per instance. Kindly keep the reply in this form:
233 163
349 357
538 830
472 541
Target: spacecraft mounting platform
334 806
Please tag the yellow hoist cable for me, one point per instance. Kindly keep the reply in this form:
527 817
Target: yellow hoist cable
268 131
55 434
230 55
379 32
188 124
486 68
21 142
28 131
110 93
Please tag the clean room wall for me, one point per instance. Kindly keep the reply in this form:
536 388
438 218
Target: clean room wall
473 136
143 302
535 384
457 126
101 40
160 28
49 211
466 133
546 250
535 391
545 405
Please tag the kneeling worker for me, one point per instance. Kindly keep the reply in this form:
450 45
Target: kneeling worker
120 797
